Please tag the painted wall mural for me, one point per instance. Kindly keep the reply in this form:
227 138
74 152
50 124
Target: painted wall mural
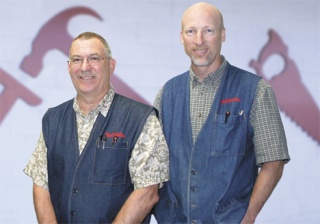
279 41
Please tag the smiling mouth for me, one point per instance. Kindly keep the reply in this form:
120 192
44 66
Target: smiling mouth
200 51
87 77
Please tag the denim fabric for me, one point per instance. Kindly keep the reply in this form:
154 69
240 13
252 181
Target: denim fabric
211 180
93 186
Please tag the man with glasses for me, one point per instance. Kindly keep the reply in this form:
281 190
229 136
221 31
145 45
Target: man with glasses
101 157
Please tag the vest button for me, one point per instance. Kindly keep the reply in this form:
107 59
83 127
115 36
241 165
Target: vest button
72 213
75 190
194 221
194 172
193 189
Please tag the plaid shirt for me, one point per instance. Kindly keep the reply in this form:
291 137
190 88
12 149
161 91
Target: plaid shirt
269 137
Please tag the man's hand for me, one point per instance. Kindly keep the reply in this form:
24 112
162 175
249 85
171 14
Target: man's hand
138 205
267 180
43 206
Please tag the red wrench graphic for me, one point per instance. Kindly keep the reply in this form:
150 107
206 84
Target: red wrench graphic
14 90
292 96
54 35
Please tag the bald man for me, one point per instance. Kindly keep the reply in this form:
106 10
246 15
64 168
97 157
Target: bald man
222 126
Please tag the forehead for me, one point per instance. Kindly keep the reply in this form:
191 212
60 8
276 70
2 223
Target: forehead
86 47
200 17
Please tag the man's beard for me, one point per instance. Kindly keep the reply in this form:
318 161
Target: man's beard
200 62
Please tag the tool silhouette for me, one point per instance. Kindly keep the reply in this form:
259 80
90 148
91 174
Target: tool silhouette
54 35
293 97
12 91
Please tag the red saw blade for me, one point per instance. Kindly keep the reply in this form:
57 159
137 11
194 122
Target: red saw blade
292 95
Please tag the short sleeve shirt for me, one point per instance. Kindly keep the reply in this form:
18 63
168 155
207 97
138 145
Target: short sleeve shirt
269 137
149 162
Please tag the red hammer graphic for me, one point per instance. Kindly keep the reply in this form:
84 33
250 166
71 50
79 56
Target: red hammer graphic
54 35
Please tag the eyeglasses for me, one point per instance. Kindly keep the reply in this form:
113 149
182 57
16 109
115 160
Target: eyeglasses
92 60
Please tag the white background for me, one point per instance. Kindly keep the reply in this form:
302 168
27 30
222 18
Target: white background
144 38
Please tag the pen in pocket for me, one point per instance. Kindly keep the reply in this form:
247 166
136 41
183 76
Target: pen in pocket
226 117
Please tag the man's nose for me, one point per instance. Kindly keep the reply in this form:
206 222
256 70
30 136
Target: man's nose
85 65
199 38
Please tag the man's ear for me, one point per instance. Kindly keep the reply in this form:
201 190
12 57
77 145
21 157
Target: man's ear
112 65
181 37
223 35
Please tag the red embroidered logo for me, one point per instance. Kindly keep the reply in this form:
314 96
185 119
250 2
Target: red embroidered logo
114 134
230 100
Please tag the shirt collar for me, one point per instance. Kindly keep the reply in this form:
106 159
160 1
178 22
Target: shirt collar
103 107
212 77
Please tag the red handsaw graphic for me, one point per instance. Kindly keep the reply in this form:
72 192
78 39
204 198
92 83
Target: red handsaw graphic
293 97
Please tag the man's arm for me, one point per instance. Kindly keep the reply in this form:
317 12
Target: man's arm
43 205
267 180
138 205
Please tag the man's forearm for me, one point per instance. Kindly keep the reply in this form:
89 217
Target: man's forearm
138 205
43 205
267 180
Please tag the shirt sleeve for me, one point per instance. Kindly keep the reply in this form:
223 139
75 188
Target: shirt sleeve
157 103
37 165
149 162
269 136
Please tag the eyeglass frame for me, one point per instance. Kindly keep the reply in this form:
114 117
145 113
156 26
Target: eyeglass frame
78 64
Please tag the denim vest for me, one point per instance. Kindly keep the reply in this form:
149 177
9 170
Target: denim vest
93 186
211 180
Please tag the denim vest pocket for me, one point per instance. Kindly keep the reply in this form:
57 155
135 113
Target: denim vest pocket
231 210
165 210
228 135
111 163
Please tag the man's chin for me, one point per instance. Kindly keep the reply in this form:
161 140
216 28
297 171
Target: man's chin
200 63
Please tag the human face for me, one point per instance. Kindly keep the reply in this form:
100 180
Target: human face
90 81
202 36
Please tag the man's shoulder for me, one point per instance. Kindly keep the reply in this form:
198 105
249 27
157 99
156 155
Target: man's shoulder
179 77
176 81
59 108
64 104
134 110
244 73
125 99
126 102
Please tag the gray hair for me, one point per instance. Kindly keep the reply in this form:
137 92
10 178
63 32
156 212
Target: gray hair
90 35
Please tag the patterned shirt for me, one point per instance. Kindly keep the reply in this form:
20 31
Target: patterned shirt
269 137
149 160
